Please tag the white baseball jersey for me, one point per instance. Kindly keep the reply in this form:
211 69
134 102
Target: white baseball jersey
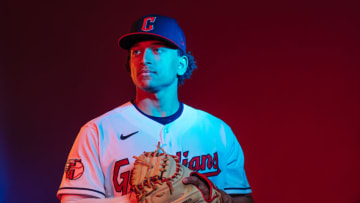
101 159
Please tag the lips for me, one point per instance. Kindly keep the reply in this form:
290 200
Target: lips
145 72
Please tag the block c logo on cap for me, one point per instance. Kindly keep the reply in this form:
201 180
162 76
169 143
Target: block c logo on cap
147 24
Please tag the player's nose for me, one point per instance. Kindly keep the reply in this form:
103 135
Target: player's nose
147 56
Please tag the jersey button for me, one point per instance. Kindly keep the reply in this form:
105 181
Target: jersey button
166 130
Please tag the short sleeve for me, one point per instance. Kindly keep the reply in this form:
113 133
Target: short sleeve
83 174
236 180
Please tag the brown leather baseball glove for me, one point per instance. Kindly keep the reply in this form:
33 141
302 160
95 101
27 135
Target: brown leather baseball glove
157 177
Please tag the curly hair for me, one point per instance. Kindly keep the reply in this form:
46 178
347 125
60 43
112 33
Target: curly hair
191 66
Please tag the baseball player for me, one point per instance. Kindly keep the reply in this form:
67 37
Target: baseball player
100 162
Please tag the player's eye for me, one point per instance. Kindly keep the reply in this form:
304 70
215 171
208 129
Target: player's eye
157 50
135 52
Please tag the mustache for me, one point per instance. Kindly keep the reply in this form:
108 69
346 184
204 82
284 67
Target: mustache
145 69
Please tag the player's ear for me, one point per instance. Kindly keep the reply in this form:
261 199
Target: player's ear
183 65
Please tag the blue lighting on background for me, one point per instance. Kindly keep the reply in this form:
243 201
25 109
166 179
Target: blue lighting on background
3 169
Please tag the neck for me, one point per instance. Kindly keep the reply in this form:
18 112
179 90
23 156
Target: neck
159 104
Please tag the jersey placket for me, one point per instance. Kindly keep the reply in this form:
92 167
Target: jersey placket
165 137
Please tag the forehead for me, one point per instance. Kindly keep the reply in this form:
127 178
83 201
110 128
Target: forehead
149 43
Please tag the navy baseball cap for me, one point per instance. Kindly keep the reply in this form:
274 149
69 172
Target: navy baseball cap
155 27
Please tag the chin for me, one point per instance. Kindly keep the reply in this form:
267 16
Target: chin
147 87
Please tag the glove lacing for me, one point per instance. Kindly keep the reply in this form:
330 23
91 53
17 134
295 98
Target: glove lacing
150 182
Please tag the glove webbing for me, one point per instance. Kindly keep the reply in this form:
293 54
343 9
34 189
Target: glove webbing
150 182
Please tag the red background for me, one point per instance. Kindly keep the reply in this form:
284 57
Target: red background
283 74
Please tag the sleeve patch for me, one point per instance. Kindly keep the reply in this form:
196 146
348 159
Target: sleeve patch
74 169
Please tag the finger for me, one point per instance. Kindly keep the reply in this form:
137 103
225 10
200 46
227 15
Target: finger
225 197
192 180
198 183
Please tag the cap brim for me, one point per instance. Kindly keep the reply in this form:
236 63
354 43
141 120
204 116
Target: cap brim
128 40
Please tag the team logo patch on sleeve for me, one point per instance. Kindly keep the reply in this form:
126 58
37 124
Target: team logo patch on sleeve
74 169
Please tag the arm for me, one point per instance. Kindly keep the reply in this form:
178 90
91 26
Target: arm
83 174
242 198
90 199
226 198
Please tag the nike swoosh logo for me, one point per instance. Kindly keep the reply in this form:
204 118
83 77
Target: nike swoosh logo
122 137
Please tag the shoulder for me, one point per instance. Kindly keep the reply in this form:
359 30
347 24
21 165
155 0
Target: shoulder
115 115
204 117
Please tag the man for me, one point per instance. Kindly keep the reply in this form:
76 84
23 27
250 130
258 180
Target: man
100 162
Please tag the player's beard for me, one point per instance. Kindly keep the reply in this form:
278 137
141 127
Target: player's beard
155 85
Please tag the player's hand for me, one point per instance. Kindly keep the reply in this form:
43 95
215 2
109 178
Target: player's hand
225 197
205 189
198 183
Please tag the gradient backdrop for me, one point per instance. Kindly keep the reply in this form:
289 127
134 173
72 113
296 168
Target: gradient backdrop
283 74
